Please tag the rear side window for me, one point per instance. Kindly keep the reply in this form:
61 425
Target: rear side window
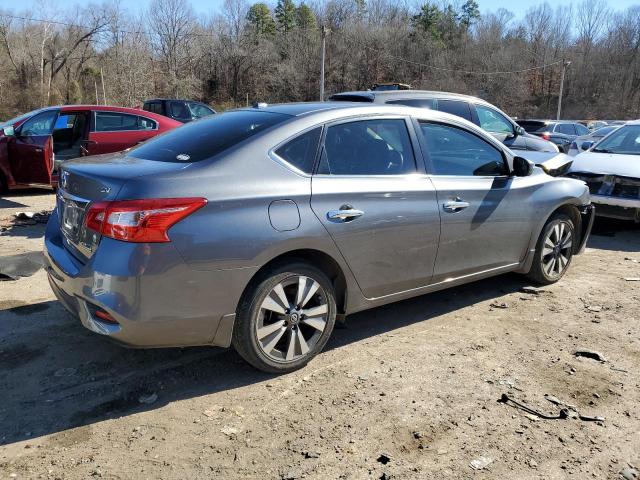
210 136
454 151
115 122
155 107
368 147
415 102
145 123
455 107
301 151
565 128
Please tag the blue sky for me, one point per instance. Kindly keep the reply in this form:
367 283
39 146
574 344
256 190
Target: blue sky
518 7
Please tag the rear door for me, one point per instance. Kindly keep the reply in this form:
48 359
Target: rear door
31 150
116 131
486 214
377 205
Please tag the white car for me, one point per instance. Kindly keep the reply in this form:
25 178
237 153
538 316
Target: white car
585 142
611 169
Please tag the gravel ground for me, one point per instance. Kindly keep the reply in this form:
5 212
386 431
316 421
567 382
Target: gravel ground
409 390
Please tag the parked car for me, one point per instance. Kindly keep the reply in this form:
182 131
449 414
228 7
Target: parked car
473 109
181 110
560 132
213 235
596 125
585 142
611 169
33 145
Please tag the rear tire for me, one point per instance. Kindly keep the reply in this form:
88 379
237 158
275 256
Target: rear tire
285 318
554 250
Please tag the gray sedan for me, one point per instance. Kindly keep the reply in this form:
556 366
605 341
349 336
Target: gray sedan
262 227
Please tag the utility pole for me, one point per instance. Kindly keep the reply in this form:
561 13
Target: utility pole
104 93
565 64
325 30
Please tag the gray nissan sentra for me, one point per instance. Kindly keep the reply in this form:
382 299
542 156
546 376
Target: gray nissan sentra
258 228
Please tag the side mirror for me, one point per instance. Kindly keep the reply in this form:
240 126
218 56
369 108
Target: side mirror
586 145
520 130
8 131
522 167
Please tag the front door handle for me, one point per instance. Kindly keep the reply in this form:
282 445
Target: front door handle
455 205
344 214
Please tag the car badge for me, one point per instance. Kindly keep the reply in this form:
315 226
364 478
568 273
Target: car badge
183 157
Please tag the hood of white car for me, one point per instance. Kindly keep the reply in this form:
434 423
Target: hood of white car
607 164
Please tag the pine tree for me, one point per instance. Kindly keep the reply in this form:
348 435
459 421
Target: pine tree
286 15
260 19
305 18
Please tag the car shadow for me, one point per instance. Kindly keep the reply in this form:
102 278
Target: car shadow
612 234
56 375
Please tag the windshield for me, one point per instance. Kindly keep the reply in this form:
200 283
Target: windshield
207 137
625 140
536 127
17 119
604 131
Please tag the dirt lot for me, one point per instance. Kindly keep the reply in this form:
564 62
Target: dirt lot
406 391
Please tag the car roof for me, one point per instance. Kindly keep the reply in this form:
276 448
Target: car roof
412 93
159 99
541 120
302 108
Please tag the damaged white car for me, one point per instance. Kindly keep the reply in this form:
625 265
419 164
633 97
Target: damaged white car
611 169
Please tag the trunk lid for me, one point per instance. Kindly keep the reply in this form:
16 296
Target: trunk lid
93 179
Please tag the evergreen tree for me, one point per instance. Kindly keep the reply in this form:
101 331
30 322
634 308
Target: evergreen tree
260 19
286 15
305 17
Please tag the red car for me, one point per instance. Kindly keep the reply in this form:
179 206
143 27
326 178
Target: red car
32 144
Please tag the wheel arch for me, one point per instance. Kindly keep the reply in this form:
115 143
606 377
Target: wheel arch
317 258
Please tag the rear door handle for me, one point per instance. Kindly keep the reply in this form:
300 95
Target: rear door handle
346 214
454 205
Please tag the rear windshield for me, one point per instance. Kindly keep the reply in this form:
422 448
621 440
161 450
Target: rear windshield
535 127
351 98
207 137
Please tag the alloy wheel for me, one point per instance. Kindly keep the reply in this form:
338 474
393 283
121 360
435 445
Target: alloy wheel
557 249
292 318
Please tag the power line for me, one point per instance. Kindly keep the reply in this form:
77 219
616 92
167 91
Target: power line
444 69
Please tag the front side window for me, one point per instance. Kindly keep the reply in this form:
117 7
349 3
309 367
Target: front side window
582 130
454 151
210 136
565 129
368 147
301 151
493 121
198 110
179 110
115 122
41 124
455 107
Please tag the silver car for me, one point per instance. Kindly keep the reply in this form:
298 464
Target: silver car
262 227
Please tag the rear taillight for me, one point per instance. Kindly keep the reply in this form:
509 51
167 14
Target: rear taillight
546 135
140 220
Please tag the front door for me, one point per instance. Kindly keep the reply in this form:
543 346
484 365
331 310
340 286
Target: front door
486 214
31 149
378 207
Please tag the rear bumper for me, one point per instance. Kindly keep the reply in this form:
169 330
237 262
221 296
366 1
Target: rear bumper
156 299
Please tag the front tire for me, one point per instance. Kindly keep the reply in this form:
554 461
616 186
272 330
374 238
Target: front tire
285 319
554 250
